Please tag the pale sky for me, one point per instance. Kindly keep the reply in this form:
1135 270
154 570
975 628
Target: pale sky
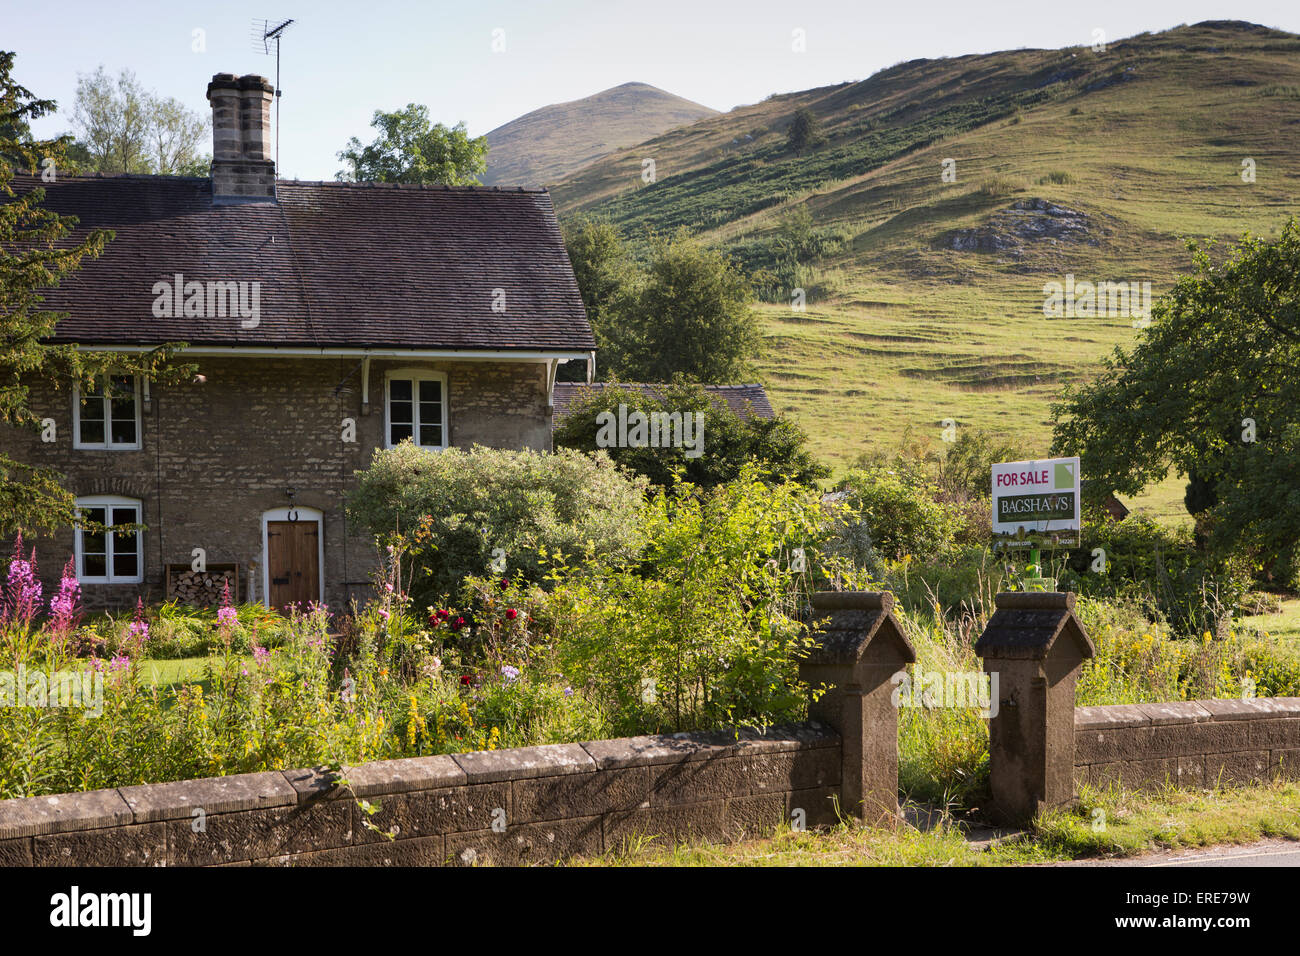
342 61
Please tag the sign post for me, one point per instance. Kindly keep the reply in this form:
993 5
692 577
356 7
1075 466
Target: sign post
1036 504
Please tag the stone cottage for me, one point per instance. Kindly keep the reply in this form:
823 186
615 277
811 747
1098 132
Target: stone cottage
326 320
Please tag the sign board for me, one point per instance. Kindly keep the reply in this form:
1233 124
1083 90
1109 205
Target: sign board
1036 503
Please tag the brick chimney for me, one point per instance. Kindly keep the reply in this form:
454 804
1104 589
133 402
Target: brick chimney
242 168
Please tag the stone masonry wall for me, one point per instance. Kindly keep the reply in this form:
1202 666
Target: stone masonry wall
216 455
1201 743
503 807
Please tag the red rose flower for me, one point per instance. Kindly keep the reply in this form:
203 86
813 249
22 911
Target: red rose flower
511 614
467 680
505 583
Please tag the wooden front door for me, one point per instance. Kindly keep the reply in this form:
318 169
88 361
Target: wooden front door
293 561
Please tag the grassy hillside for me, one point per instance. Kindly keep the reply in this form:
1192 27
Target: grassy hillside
925 298
550 143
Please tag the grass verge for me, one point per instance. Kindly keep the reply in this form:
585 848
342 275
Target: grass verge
1105 824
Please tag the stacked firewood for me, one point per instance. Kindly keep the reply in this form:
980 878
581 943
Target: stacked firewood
201 588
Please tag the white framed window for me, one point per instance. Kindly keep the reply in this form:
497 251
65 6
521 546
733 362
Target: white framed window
106 556
107 415
415 407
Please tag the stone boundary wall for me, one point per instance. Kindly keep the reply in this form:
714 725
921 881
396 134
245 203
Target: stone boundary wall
547 803
1200 743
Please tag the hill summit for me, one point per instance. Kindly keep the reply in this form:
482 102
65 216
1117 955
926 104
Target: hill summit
544 146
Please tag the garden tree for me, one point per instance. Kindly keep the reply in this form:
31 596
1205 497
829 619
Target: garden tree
778 446
691 316
603 271
1212 389
606 280
124 128
410 150
175 134
34 257
804 132
966 468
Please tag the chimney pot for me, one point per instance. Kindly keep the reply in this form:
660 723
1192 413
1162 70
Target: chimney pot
242 168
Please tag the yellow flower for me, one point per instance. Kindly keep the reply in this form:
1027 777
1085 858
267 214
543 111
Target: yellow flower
412 723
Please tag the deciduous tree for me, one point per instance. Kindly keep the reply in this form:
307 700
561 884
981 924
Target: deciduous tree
409 149
33 257
1212 390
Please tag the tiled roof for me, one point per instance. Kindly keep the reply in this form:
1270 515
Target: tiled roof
744 400
340 265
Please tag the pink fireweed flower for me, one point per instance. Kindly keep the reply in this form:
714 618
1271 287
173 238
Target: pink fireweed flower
261 654
227 616
23 590
65 606
139 629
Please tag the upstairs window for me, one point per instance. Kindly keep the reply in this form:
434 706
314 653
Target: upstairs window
416 408
107 415
104 554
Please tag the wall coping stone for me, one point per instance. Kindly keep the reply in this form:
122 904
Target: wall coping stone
657 749
243 791
1238 709
1176 712
812 734
1115 716
1111 717
312 783
524 763
62 813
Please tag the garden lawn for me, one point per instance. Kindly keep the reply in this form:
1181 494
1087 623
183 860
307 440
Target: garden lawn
1284 625
172 671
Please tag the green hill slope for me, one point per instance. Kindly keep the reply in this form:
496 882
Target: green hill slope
925 298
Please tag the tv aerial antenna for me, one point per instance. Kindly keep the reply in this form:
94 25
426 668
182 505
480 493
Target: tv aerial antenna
266 32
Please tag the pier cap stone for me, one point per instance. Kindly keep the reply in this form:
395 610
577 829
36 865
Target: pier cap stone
858 620
1030 625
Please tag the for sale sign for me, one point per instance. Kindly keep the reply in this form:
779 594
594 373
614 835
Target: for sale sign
1036 503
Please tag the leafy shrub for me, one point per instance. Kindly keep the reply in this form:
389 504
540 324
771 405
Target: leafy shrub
708 630
1162 569
897 514
727 440
455 508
